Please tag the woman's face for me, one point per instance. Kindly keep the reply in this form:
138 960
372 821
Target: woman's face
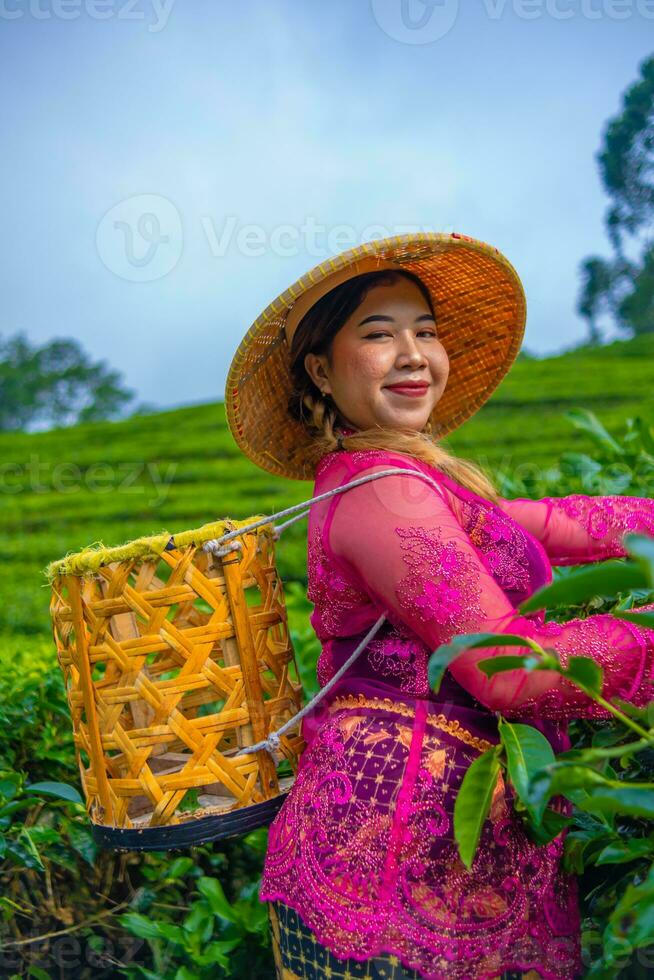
390 340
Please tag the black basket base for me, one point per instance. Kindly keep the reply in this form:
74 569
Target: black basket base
191 832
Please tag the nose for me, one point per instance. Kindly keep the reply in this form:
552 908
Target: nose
410 351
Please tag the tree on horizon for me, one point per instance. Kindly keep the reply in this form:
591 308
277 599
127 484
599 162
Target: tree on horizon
56 384
623 287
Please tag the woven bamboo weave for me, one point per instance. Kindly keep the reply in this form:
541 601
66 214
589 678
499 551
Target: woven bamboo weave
174 660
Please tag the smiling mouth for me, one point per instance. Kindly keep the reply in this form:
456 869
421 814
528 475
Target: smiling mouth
414 391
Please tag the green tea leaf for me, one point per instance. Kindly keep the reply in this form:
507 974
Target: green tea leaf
527 752
632 922
587 421
443 655
626 799
37 973
641 547
586 673
212 890
139 926
605 579
217 952
568 779
473 802
625 850
645 619
551 825
179 867
82 841
497 665
62 791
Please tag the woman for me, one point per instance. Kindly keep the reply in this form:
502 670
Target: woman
360 367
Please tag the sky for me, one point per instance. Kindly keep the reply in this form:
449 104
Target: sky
168 167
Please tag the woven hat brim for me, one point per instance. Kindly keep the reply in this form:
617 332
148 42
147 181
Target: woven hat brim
481 313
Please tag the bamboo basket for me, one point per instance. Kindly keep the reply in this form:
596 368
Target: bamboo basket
175 658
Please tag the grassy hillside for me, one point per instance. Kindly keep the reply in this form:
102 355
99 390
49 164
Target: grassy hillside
111 482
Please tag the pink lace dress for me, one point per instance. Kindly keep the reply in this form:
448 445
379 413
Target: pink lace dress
363 846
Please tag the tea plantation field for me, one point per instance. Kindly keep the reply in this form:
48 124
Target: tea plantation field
70 909
111 482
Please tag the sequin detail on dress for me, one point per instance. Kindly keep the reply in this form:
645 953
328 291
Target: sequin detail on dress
364 850
331 595
401 657
502 543
440 586
362 847
605 519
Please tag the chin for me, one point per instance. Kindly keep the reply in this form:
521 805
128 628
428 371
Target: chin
416 426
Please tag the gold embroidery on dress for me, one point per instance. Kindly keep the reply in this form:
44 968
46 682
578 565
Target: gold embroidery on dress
349 723
454 728
404 735
474 532
373 737
435 762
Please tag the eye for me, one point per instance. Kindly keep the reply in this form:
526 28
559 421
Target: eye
378 333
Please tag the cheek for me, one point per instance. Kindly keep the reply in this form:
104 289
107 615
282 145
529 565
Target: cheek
371 362
363 364
441 362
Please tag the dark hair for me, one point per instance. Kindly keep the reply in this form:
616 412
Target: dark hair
318 327
319 414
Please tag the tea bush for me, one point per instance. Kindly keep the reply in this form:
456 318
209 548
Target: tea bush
67 909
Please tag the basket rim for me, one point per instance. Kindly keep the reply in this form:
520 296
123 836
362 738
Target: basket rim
89 560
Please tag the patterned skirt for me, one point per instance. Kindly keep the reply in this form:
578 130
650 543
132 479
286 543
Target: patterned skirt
299 955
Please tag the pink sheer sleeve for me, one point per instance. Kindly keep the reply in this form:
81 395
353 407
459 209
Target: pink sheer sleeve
398 539
577 529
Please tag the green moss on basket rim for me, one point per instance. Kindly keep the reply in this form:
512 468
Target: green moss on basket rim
90 559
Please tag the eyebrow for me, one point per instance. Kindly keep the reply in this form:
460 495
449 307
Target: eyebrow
390 319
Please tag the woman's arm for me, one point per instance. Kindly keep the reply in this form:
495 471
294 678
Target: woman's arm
578 529
399 540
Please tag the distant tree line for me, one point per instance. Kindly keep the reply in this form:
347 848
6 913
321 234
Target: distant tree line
622 287
57 384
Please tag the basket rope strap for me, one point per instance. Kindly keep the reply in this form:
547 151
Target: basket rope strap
271 743
215 546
